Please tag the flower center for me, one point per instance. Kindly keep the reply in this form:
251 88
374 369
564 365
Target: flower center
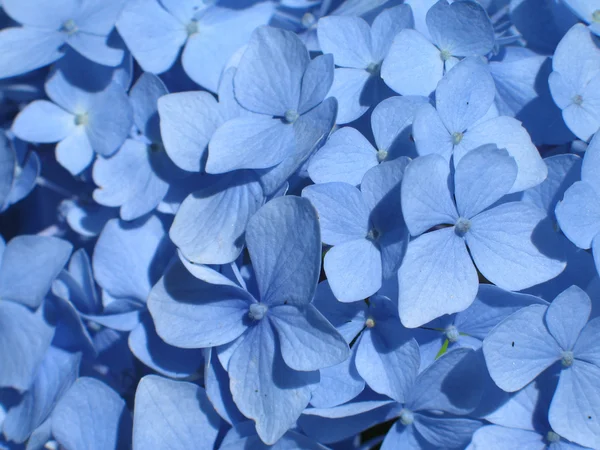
69 27
452 333
596 16
373 234
406 417
578 100
374 68
192 28
567 358
456 138
308 20
552 436
81 119
382 155
257 311
370 322
462 225
445 55
291 115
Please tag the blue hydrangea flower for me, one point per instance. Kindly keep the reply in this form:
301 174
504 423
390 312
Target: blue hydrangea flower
415 64
358 50
536 337
271 344
156 30
348 155
81 122
83 26
501 239
575 86
578 213
365 229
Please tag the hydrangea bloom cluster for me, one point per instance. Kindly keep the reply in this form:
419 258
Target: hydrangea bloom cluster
299 224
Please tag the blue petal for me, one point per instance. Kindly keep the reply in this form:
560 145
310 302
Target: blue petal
187 123
348 87
451 432
520 348
38 13
55 375
348 39
482 178
426 198
587 348
128 257
29 266
24 340
8 163
75 151
567 315
308 341
436 277
210 224
461 28
494 437
96 49
208 51
25 49
264 388
144 96
504 245
386 26
343 215
91 416
284 243
255 142
207 315
345 157
430 133
465 94
174 414
338 384
56 123
216 383
575 407
316 82
269 75
591 163
413 65
109 120
578 214
403 437
244 436
153 36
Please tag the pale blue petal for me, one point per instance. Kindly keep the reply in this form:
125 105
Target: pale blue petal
255 142
29 266
338 384
92 416
316 82
436 277
354 269
284 243
99 16
55 375
578 214
430 134
171 413
269 74
75 152
206 315
413 65
504 245
386 26
144 96
507 133
575 409
187 123
567 315
587 348
152 35
43 122
96 49
465 94
38 13
109 120
461 28
308 341
442 432
591 163
8 164
403 437
24 340
520 348
348 39
348 86
426 198
264 388
345 157
216 383
25 49
220 33
210 224
482 178
494 437
343 214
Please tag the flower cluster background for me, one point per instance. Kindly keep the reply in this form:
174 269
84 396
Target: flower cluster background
299 224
